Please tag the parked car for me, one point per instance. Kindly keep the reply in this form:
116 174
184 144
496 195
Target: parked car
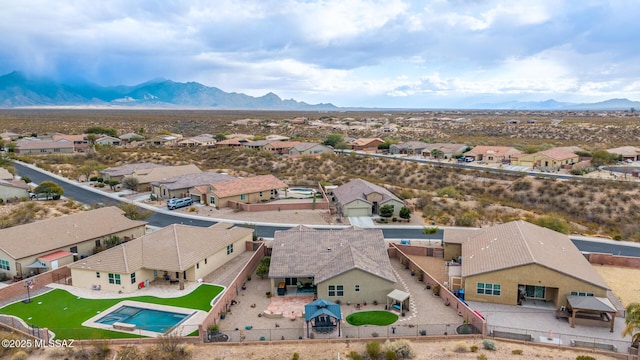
178 203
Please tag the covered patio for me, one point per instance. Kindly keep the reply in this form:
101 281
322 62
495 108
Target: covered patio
589 308
325 316
399 301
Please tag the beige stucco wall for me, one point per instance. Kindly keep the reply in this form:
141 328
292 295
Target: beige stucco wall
45 152
535 275
542 160
251 198
397 205
371 287
10 192
215 261
87 278
452 251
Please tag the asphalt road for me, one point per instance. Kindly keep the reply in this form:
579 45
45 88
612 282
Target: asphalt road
161 219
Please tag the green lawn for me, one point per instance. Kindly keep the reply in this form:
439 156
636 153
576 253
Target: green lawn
378 317
63 313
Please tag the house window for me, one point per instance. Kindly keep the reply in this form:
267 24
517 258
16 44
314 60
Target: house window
114 279
97 274
488 289
332 290
260 193
212 200
4 265
339 290
205 261
357 288
536 292
197 265
580 293
243 196
97 243
133 278
229 249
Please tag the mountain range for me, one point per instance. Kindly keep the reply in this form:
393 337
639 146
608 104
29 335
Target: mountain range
20 90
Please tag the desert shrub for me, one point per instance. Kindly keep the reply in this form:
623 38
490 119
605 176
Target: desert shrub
169 348
585 357
460 347
516 351
488 345
373 334
402 348
354 355
20 355
192 209
295 356
449 191
128 353
481 357
390 355
473 348
467 218
554 222
101 349
373 349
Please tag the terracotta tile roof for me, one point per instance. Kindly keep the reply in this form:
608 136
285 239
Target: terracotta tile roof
364 141
519 243
247 185
64 231
358 189
302 252
58 137
56 255
173 248
558 154
282 144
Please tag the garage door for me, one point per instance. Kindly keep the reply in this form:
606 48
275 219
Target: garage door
357 212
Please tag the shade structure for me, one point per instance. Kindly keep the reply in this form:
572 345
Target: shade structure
36 265
322 308
593 305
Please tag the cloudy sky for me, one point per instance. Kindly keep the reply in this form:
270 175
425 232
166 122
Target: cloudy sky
390 53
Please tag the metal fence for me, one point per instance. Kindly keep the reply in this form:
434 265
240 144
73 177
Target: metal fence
560 339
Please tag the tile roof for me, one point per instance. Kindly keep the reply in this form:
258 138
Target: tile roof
519 243
498 151
247 185
56 255
446 148
282 144
364 141
358 189
64 231
167 172
128 169
192 180
458 235
324 254
415 145
558 154
173 248
43 144
304 146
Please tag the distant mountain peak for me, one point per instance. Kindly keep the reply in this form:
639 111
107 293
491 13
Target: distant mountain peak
17 90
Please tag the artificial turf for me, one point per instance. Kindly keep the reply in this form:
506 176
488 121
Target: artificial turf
63 313
377 317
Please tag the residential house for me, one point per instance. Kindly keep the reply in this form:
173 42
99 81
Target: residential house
13 189
234 143
204 140
176 252
408 148
181 186
366 144
249 190
443 150
626 152
551 159
80 142
162 173
108 141
306 148
9 136
256 145
43 147
492 154
24 248
120 172
362 198
164 140
519 261
277 138
280 147
131 137
348 265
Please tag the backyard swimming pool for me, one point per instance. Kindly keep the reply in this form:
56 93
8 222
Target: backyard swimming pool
144 319
303 191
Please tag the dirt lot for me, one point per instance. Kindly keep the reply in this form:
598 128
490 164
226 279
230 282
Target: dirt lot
624 282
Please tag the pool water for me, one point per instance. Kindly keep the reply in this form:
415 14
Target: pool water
144 319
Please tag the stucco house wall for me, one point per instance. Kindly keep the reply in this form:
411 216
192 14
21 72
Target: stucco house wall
371 287
8 192
558 285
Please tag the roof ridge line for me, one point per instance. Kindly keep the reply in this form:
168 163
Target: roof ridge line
175 238
124 254
526 243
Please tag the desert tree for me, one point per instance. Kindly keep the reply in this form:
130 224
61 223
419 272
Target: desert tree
130 182
50 189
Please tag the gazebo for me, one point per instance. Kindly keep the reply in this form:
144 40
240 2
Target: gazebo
324 314
598 306
399 300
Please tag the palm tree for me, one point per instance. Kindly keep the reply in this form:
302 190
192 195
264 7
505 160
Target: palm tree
632 321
